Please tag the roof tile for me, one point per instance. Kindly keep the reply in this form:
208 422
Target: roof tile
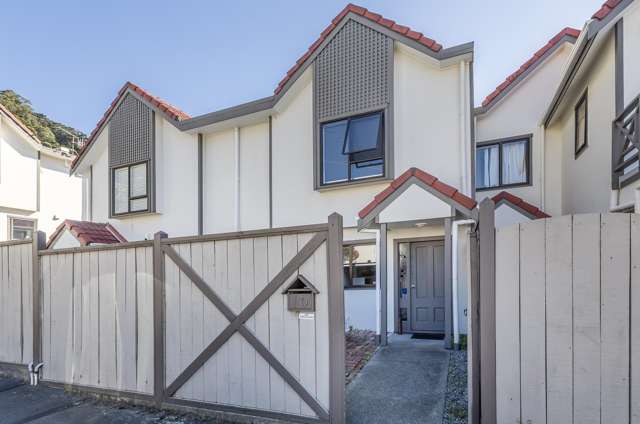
571 32
505 196
88 233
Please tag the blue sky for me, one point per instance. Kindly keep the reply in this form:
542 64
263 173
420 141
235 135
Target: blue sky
71 57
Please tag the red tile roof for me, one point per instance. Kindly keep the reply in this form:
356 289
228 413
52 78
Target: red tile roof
426 178
171 111
534 61
606 8
505 196
88 233
374 17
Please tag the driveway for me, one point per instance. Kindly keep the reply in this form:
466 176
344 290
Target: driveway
404 383
21 403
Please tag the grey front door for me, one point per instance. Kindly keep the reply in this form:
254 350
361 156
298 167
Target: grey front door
427 287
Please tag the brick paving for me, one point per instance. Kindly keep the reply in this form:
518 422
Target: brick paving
360 347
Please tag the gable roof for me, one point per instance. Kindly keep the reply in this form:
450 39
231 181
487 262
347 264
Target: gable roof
370 16
566 35
88 233
412 175
172 113
519 204
605 9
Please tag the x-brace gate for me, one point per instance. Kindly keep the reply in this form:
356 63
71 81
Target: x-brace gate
164 392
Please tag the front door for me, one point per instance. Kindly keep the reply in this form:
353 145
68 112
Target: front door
427 287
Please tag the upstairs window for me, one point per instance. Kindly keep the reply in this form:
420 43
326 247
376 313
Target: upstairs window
352 148
130 191
581 125
503 163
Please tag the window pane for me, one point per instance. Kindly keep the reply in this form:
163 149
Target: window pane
580 125
139 180
138 205
121 190
334 163
371 169
360 265
22 229
487 167
514 162
364 134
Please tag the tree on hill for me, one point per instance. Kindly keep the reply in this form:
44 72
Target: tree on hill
51 133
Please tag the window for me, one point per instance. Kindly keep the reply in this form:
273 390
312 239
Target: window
359 266
130 189
352 148
581 123
503 163
21 229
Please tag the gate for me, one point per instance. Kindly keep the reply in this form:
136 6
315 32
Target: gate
202 322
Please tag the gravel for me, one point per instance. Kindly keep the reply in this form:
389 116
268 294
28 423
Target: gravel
456 398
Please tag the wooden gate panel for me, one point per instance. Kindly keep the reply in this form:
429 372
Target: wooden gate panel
635 320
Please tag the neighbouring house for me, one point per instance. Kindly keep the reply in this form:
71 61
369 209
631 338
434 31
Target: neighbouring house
560 133
374 121
36 191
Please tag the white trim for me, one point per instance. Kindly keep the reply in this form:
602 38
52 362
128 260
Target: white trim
236 200
454 276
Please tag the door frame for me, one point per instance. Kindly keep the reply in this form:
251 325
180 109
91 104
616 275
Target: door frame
396 277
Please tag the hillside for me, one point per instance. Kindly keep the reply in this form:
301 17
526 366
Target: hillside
52 134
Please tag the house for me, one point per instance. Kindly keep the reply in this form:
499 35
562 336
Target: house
386 141
72 233
36 191
566 123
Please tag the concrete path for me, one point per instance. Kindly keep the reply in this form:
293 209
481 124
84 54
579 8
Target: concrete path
404 383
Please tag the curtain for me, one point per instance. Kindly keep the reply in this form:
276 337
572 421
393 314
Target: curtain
514 162
487 167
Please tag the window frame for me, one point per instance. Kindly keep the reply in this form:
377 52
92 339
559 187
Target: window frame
500 142
583 99
130 198
12 218
351 244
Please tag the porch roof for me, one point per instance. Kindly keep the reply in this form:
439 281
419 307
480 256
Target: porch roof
520 205
88 233
424 180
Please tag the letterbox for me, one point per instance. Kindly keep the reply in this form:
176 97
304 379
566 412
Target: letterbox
301 295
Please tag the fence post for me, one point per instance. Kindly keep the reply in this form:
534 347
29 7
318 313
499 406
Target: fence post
38 242
487 242
335 289
158 319
473 343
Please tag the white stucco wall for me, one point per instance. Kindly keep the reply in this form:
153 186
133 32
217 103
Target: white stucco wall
60 194
520 112
585 181
18 169
360 309
65 240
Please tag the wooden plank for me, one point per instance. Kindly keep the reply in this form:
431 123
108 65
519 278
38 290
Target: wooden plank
27 302
78 322
212 318
291 329
615 274
46 309
38 243
559 320
635 319
586 319
247 293
145 328
261 274
235 303
4 312
532 325
307 334
220 287
87 342
276 325
127 306
15 306
197 319
508 324
172 319
322 326
106 318
120 315
186 326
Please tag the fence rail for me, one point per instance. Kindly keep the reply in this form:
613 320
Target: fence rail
192 321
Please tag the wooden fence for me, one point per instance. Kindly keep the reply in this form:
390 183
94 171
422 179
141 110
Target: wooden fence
16 307
568 320
195 321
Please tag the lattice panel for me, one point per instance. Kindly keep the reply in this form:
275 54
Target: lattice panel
353 72
130 132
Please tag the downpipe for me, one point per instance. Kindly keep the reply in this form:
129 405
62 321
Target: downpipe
34 373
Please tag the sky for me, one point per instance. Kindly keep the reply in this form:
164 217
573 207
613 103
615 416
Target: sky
70 58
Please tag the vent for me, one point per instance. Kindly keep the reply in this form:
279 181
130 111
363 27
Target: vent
353 72
130 133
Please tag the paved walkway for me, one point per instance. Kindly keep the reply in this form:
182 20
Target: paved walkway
404 383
